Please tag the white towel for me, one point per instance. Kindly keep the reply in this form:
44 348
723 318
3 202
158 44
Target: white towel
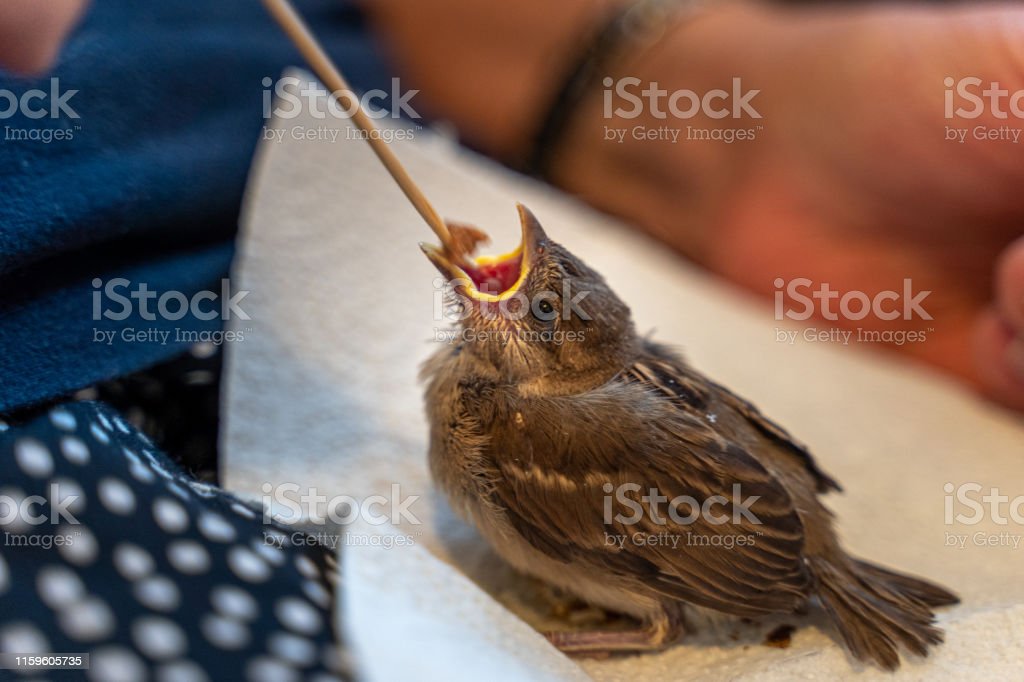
322 392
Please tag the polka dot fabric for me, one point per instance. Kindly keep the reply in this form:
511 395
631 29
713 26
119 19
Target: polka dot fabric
108 548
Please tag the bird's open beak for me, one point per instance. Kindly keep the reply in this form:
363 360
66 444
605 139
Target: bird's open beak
494 278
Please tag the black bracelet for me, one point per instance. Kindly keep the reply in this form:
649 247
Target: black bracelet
646 18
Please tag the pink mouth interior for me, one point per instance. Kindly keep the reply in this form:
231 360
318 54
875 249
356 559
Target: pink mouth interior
496 278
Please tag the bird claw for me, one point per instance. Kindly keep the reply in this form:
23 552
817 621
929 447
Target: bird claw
603 643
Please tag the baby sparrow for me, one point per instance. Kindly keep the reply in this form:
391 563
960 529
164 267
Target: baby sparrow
600 462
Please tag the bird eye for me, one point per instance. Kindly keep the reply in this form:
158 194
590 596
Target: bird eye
543 310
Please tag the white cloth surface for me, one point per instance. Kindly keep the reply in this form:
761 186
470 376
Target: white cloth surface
323 392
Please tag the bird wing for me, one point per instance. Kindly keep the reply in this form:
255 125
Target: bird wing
582 466
664 371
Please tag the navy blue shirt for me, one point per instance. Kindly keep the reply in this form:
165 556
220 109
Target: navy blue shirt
128 162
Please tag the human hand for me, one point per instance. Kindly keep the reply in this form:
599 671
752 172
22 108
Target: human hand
32 32
851 180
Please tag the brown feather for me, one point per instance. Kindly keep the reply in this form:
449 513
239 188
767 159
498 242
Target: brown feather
530 441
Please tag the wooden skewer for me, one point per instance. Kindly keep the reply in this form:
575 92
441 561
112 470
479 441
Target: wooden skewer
298 31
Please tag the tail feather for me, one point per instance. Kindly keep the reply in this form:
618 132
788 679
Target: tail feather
878 611
921 590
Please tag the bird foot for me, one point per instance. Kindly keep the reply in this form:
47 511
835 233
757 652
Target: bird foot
605 642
